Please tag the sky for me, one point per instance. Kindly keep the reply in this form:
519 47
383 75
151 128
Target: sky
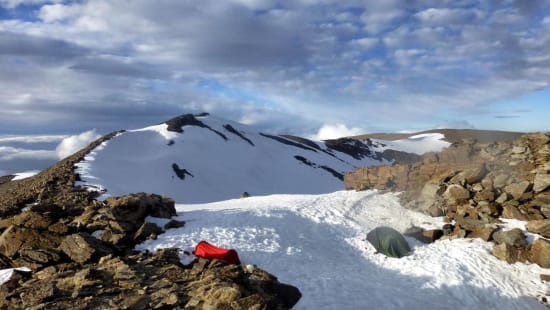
314 68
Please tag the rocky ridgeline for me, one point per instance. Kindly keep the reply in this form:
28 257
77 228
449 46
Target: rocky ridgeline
81 253
475 185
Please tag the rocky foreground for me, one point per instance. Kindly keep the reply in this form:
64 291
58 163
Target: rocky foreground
80 252
476 185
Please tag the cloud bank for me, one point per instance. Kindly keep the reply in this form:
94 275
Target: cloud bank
71 65
72 144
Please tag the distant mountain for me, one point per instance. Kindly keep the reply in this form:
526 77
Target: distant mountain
450 135
202 158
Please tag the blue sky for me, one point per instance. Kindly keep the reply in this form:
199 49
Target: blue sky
282 66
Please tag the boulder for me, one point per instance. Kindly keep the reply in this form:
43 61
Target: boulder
512 212
147 231
484 232
82 247
15 238
542 182
456 193
174 224
509 253
518 189
540 253
514 237
541 227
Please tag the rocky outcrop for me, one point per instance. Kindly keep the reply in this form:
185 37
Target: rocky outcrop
81 253
475 185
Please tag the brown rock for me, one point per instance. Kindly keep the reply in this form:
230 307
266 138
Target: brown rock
82 247
15 238
485 232
500 180
542 182
540 253
514 237
432 234
146 230
509 253
518 189
456 193
541 227
511 212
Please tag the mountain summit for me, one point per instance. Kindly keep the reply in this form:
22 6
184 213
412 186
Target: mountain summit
201 158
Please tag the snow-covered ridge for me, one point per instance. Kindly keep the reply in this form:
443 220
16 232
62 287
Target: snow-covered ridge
417 144
213 159
202 158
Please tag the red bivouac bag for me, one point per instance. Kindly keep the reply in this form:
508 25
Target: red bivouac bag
209 251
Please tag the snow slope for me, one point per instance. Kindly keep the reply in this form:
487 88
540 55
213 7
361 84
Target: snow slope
216 163
418 144
317 243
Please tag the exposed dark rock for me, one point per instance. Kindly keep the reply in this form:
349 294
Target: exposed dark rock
306 162
180 173
83 248
514 237
174 224
147 231
175 124
510 253
237 133
352 147
288 142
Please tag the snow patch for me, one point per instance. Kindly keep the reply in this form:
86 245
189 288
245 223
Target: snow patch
6 274
417 144
317 243
24 175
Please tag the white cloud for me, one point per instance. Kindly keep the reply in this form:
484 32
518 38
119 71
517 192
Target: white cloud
334 131
32 139
8 153
72 144
57 12
10 4
365 43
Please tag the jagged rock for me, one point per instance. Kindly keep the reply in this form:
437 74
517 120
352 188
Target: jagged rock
146 231
174 224
456 193
540 253
432 235
518 189
502 198
14 238
541 227
514 237
509 253
484 232
40 257
82 247
512 212
542 182
5 262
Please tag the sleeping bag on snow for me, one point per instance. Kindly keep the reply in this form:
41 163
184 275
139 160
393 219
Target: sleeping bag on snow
388 241
209 251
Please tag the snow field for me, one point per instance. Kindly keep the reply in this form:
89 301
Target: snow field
317 243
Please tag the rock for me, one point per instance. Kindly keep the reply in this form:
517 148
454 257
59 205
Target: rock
541 227
518 189
502 198
82 247
432 234
500 180
509 253
456 193
540 253
542 182
5 262
475 174
15 238
514 237
163 207
512 212
519 149
174 224
146 231
245 195
43 257
485 232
